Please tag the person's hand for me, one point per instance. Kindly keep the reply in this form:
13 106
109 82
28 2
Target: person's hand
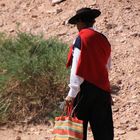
69 100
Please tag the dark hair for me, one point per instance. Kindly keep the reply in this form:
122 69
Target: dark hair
87 20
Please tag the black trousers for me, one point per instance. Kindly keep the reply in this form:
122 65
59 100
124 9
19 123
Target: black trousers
93 105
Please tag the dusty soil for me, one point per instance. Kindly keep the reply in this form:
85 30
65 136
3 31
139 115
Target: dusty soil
120 22
42 132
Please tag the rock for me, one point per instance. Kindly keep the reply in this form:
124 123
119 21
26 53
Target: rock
37 133
119 82
18 130
121 132
18 138
115 109
135 35
133 128
111 26
124 121
40 129
63 22
122 40
34 16
128 8
3 5
3 128
1 23
55 11
11 30
117 138
47 138
58 10
56 2
32 129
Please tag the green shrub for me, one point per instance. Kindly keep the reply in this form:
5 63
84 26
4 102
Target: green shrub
32 67
29 55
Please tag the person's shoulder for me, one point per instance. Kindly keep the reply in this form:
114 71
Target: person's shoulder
104 38
101 34
87 32
77 43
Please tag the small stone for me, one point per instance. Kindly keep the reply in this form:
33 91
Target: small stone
18 138
56 2
124 121
55 11
40 129
121 132
3 128
1 23
133 128
63 23
119 82
47 138
58 11
37 133
3 5
128 8
111 26
19 131
117 138
135 34
122 40
32 129
34 16
11 30
115 109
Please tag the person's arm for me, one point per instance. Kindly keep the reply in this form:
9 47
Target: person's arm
75 80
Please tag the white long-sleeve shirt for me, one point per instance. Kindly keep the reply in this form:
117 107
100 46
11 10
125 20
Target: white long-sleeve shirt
75 80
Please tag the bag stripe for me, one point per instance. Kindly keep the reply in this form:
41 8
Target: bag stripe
65 118
68 128
68 133
77 126
64 137
68 121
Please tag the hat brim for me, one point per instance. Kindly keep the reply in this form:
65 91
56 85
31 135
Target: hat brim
92 14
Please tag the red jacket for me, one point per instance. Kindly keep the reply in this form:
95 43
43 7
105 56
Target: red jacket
95 51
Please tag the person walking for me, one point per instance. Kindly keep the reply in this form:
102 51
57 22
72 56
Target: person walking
89 58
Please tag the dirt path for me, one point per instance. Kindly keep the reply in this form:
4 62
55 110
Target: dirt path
42 132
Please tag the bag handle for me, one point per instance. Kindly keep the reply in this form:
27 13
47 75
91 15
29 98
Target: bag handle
69 110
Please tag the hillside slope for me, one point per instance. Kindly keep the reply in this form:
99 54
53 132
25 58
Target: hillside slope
120 22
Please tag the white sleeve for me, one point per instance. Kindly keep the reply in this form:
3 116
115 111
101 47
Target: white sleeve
108 65
75 80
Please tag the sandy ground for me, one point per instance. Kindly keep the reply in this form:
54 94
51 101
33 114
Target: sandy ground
42 132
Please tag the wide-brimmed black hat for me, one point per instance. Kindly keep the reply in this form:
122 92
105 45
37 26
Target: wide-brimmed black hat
84 12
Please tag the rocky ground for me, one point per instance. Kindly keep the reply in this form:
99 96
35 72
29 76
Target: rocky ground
120 22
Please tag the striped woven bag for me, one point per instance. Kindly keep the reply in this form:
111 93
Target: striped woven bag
68 128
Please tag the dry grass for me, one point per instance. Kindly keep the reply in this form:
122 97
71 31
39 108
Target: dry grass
32 78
